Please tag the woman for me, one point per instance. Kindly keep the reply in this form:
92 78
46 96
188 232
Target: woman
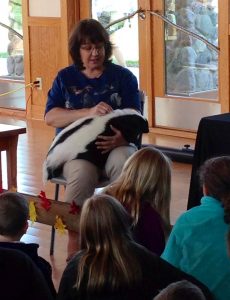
144 189
110 265
91 86
197 244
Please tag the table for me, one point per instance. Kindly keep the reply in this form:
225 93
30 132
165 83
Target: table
213 139
8 142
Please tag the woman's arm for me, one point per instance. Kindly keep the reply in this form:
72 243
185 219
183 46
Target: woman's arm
62 117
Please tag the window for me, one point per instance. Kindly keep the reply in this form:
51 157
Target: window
11 47
191 66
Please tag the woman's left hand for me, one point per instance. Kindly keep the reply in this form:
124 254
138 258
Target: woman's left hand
108 143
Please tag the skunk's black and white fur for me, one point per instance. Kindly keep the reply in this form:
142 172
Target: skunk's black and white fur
78 139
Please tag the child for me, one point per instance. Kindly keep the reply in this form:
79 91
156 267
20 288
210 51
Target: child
20 278
197 244
144 189
181 290
110 265
14 212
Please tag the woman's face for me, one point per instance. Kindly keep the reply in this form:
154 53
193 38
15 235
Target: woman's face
92 55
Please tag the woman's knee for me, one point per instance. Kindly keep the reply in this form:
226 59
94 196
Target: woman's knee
116 160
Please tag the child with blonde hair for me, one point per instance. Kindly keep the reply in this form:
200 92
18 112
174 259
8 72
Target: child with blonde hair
144 189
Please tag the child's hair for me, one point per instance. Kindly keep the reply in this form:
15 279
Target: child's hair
104 240
215 176
146 175
181 290
14 212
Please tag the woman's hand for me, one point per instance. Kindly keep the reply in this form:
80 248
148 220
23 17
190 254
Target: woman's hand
100 109
108 143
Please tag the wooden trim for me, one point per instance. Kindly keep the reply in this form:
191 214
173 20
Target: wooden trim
43 21
173 132
146 58
69 17
224 61
64 33
158 50
26 49
85 9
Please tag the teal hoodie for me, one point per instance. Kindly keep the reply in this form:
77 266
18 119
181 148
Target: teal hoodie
197 245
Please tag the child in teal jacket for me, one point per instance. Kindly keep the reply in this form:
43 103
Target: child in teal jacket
197 244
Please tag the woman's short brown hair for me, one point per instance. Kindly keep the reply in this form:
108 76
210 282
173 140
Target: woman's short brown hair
88 30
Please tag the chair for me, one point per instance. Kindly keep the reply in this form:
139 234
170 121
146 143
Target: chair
103 182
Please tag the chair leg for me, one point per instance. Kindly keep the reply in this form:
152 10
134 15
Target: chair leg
52 239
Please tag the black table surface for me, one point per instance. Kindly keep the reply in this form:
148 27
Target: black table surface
213 139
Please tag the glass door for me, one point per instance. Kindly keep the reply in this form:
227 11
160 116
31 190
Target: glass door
191 67
12 92
190 87
11 46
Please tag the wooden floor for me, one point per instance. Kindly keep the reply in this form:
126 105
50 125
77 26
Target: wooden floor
32 149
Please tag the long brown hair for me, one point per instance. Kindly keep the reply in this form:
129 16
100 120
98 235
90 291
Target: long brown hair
146 176
105 240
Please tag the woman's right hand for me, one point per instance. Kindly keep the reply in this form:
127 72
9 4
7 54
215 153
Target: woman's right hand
100 109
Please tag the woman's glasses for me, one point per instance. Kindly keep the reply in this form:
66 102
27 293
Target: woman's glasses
91 47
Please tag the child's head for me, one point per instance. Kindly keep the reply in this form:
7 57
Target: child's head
146 175
181 290
105 243
215 179
103 222
14 212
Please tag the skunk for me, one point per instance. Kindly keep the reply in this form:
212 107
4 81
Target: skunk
78 139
